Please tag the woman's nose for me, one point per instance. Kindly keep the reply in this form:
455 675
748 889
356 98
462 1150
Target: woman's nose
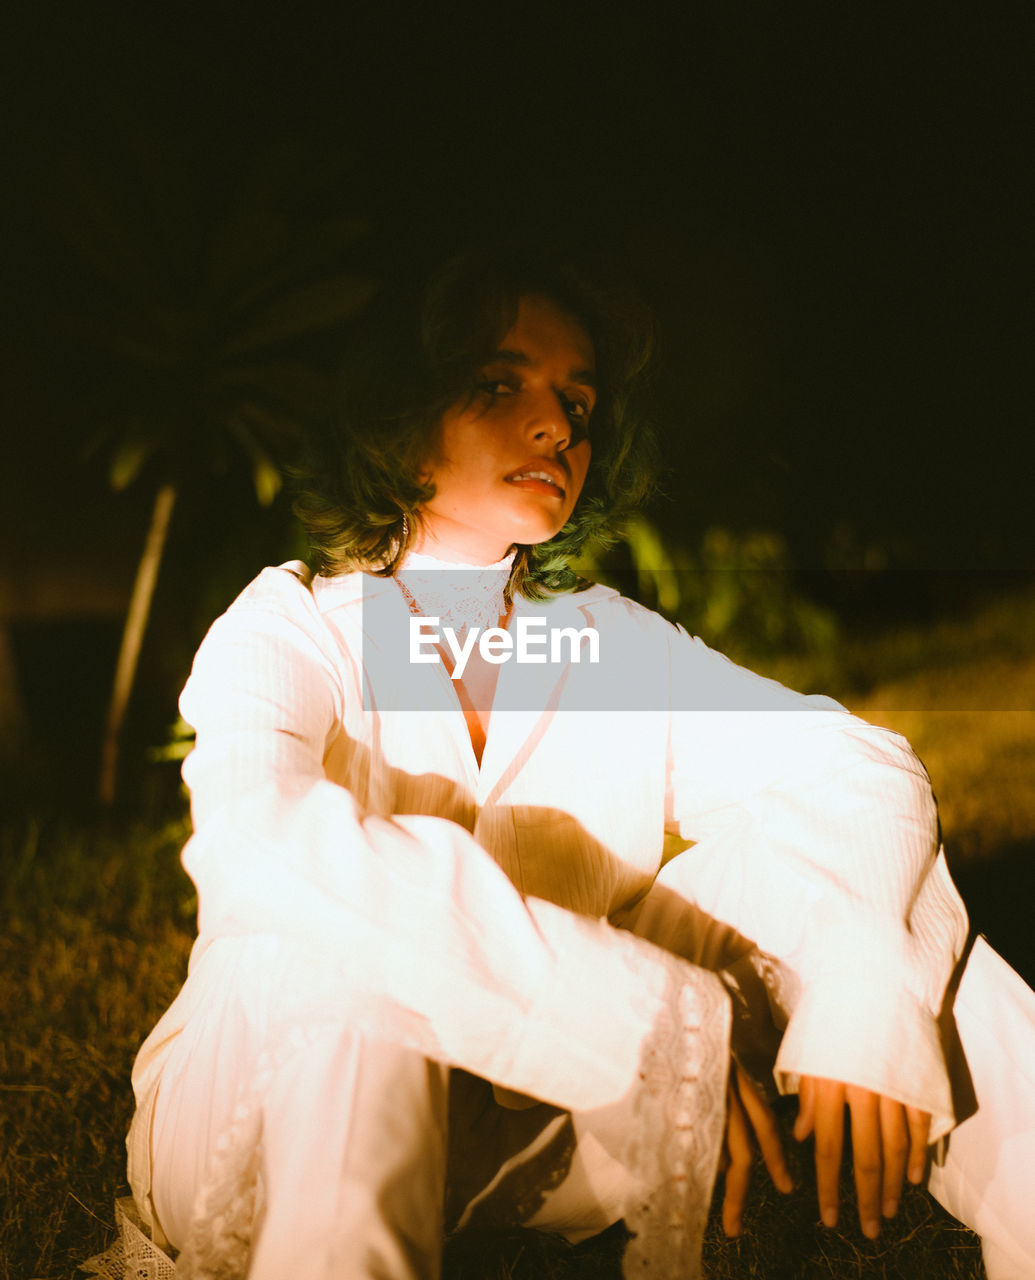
549 421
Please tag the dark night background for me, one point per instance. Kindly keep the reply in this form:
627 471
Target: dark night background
828 206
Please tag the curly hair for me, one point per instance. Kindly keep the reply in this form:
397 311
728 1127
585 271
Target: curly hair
361 487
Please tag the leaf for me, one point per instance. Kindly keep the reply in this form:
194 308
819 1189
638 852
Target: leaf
270 426
654 565
129 457
315 251
317 307
266 478
295 387
267 481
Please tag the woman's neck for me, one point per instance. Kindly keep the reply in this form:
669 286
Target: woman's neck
430 558
452 547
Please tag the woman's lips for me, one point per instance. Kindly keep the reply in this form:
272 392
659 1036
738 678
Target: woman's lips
538 479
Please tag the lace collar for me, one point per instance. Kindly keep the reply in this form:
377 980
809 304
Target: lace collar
459 595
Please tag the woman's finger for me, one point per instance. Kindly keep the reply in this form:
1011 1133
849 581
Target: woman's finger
894 1137
739 1154
804 1120
828 1120
919 1124
766 1130
864 1106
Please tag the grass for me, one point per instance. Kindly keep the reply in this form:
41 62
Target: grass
963 693
98 927
782 1240
99 923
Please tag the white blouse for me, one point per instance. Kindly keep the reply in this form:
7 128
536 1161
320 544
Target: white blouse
339 807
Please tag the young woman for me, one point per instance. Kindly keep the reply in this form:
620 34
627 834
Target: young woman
488 858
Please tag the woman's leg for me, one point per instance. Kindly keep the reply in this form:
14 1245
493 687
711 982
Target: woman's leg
354 1159
988 1177
312 1151
219 1104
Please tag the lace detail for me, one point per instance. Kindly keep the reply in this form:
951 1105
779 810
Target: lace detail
134 1256
227 1205
678 1120
459 595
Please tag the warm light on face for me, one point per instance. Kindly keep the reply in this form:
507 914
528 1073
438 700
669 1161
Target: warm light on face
511 460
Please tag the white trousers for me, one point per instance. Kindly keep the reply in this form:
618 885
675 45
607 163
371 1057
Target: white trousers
353 1150
355 1143
355 1138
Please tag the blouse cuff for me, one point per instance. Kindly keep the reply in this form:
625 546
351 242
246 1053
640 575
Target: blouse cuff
581 1041
886 1041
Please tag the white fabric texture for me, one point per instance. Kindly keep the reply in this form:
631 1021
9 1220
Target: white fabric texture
350 850
987 1177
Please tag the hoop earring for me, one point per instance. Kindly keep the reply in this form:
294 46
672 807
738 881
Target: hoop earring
405 529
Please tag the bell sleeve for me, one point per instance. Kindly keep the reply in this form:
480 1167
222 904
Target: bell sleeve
812 836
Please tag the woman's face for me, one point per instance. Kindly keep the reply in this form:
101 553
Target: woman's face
509 464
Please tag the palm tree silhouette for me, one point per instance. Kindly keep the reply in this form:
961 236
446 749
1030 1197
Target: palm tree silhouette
205 321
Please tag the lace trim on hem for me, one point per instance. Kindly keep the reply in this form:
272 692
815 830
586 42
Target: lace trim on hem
134 1256
228 1204
678 1121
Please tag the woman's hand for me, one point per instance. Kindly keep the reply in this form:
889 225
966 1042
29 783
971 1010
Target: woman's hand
888 1139
749 1120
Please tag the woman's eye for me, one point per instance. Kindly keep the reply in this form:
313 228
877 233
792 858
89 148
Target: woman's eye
578 413
496 387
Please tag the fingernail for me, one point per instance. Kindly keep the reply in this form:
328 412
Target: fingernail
871 1228
786 1184
916 1174
829 1217
889 1208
